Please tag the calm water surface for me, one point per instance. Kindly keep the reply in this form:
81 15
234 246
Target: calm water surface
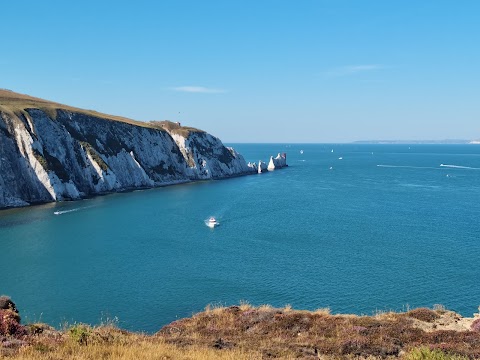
357 238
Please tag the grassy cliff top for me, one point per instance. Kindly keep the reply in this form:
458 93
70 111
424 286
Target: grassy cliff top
175 127
15 103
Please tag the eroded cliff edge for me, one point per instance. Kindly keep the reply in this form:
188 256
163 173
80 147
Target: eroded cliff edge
51 152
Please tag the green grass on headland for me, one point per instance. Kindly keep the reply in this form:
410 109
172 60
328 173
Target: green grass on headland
17 104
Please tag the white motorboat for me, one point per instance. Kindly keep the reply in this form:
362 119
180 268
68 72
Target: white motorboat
212 222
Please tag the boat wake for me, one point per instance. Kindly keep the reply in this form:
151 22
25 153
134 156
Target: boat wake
65 211
407 167
433 187
69 211
459 167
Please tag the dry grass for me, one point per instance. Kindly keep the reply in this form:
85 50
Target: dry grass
14 103
84 342
133 348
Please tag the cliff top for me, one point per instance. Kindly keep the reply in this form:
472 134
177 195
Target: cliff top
246 332
174 127
16 103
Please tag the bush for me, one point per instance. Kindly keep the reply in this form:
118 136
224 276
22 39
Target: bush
475 325
423 314
7 304
424 353
10 324
80 333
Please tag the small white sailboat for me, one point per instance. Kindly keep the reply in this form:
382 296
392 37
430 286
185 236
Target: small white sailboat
332 150
212 222
340 158
301 151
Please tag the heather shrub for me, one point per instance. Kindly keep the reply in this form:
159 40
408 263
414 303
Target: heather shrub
423 314
354 346
475 325
7 304
10 324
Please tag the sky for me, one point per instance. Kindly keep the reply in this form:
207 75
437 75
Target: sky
256 70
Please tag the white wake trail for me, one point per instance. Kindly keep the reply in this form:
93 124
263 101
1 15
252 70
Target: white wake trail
407 167
459 167
61 212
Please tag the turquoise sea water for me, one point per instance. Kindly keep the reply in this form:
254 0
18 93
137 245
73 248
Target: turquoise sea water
357 238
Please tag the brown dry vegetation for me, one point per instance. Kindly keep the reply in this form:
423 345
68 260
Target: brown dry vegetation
245 332
303 334
424 314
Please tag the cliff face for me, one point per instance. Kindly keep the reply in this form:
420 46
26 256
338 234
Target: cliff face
65 154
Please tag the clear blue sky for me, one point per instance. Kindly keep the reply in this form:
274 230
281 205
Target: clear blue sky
256 71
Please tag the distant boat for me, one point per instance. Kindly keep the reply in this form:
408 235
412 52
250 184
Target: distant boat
332 150
340 158
331 167
212 222
301 151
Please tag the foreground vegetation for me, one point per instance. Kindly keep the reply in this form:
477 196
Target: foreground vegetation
246 332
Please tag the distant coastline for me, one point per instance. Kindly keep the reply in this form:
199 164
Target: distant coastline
432 142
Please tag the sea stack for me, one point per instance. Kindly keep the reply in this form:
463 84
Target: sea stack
278 162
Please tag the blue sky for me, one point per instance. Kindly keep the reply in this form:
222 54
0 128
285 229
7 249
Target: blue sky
256 71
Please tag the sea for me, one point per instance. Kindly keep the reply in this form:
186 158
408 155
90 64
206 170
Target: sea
355 228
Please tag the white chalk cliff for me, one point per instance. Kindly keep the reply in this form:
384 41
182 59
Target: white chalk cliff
50 152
